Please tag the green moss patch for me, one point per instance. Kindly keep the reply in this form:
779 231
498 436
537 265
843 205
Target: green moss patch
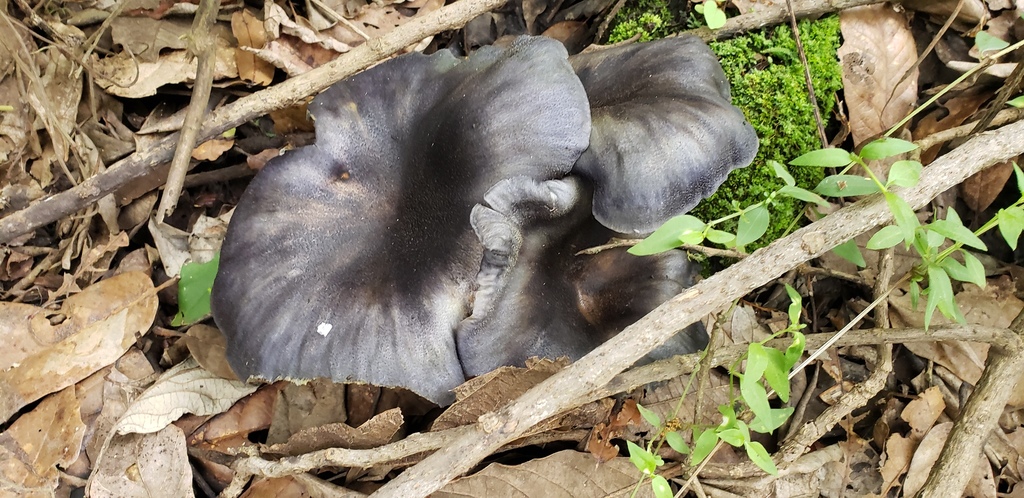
768 85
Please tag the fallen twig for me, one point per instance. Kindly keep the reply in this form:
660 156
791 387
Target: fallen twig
202 46
287 93
978 417
567 387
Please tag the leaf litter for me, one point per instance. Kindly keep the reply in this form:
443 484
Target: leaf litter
95 390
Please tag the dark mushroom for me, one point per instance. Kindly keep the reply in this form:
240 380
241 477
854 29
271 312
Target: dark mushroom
354 258
430 233
537 297
664 132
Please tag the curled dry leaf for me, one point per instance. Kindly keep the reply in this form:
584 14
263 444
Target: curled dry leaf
378 431
922 412
490 391
878 51
48 351
145 466
207 346
250 32
38 442
123 76
186 388
568 474
211 150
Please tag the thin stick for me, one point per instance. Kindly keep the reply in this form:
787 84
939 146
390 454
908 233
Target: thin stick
202 46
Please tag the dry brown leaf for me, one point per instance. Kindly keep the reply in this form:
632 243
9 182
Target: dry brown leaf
972 14
208 347
186 388
249 32
878 50
896 460
151 465
981 189
38 442
378 431
925 457
995 306
488 392
301 406
568 474
98 326
664 399
922 412
123 76
212 149
231 428
957 110
377 20
278 487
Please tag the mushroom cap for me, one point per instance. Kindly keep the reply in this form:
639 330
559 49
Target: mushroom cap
354 258
664 134
537 297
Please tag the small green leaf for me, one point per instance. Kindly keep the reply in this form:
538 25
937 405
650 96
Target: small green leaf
194 291
885 238
824 158
904 173
676 441
775 419
972 271
1017 102
795 305
886 147
645 461
975 270
849 251
782 173
795 350
1019 175
761 458
803 195
940 293
985 43
915 293
733 437
651 417
660 487
777 373
668 235
702 447
721 237
846 186
904 216
714 16
954 229
754 394
752 225
1011 224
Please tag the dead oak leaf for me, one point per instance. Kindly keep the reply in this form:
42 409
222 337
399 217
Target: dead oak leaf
878 50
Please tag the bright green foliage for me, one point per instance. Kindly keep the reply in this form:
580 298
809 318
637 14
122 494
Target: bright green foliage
194 291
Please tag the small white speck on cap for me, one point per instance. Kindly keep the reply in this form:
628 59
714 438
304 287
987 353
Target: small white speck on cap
324 329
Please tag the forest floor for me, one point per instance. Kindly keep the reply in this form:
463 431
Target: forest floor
129 130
